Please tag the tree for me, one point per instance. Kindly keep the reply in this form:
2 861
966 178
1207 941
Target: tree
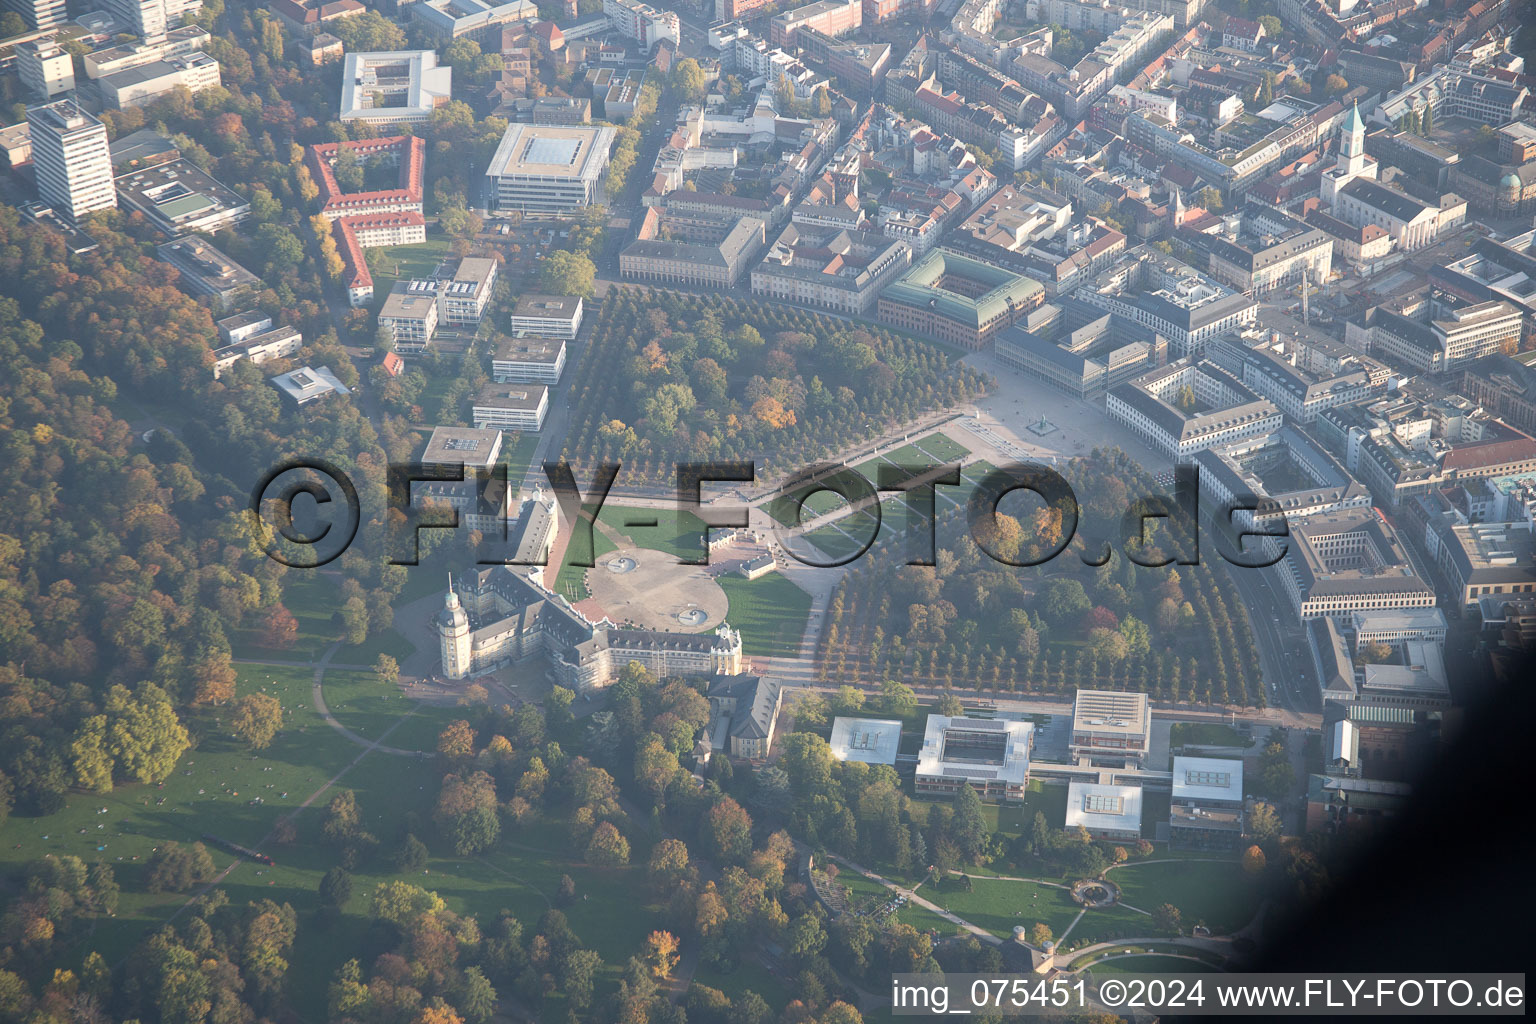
1063 601
1274 28
968 828
1253 860
727 831
688 80
411 857
660 953
1263 823
175 868
457 740
668 864
257 719
476 831
144 736
607 847
386 669
1210 198
1335 85
1167 918
476 997
568 273
335 889
1040 934
280 630
950 705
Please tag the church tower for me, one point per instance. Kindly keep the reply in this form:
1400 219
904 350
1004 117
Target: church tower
1351 162
453 628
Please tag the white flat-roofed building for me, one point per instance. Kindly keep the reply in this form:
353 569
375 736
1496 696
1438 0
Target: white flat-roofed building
463 298
479 20
866 740
521 407
991 755
1107 812
179 198
410 315
279 343
548 167
642 22
308 384
71 160
552 316
44 68
145 83
1213 781
1111 726
1397 626
529 359
237 328
16 145
481 500
462 446
207 271
394 87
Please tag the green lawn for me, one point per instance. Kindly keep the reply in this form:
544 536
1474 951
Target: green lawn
749 975
313 598
517 452
391 642
943 447
1211 734
1218 893
1153 963
998 906
677 532
572 579
866 892
403 262
770 611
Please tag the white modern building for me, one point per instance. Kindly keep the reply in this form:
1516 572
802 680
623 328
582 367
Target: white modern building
71 159
1206 809
39 14
546 167
152 18
279 343
1106 811
410 315
519 406
529 359
44 68
394 87
866 740
991 755
1109 726
642 22
550 316
143 84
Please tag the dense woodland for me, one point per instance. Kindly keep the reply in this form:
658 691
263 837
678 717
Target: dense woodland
715 377
1177 632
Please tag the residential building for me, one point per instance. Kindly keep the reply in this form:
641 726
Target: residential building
828 268
152 19
549 168
991 755
387 88
957 299
410 314
1107 812
511 406
308 384
528 359
72 162
145 83
44 68
643 23
276 343
1110 729
743 711
551 316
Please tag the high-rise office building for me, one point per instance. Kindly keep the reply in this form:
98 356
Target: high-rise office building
44 68
152 18
38 13
71 160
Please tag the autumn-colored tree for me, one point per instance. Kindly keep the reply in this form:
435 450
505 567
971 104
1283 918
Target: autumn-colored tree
1253 860
439 1014
280 630
727 831
257 719
386 669
457 740
660 953
607 847
213 679
668 864
1040 934
1167 918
